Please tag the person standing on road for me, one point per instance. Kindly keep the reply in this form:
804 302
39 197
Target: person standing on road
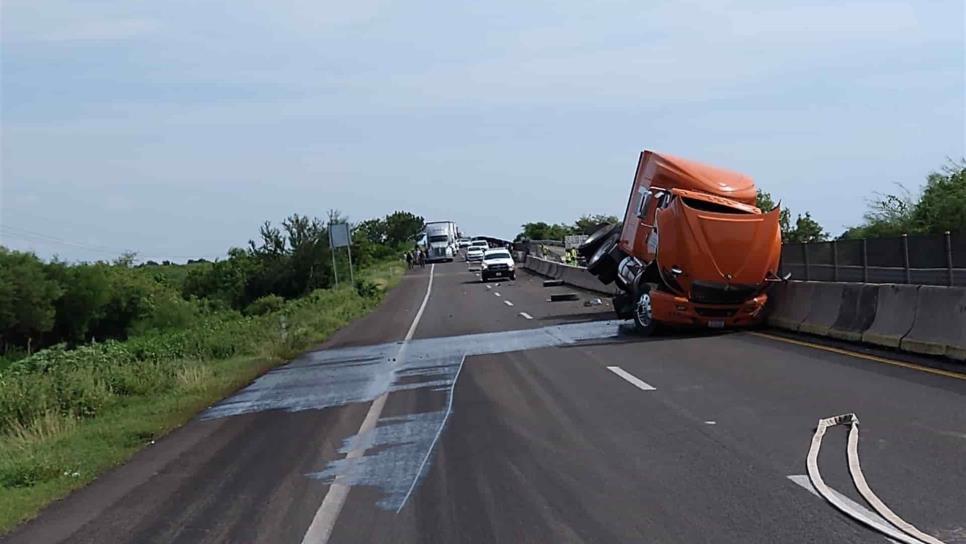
409 260
422 259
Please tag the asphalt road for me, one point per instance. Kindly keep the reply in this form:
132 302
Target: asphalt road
489 414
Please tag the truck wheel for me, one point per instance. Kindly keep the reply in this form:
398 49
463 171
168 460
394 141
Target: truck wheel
602 264
595 240
643 313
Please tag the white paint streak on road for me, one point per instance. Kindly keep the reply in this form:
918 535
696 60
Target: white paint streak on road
526 315
632 379
324 520
508 303
497 294
873 518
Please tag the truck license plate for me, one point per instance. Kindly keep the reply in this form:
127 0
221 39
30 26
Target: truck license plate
716 324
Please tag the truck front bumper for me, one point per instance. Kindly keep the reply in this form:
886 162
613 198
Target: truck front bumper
675 310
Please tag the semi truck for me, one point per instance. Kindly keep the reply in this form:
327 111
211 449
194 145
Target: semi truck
441 240
693 249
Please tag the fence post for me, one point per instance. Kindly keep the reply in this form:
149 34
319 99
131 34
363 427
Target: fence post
835 260
865 261
805 258
905 257
949 257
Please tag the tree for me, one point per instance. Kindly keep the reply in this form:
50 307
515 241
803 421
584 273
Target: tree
86 291
27 299
587 224
543 231
402 228
806 230
942 206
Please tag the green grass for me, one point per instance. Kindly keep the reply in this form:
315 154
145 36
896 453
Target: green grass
67 416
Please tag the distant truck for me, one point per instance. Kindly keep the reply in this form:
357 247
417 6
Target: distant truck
693 250
441 240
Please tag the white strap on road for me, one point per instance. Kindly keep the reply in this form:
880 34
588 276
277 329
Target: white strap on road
899 529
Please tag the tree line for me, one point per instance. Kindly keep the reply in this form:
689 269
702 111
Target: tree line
939 207
43 303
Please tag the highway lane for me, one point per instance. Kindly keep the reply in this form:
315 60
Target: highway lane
528 436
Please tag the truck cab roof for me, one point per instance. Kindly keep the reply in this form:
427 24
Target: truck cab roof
670 172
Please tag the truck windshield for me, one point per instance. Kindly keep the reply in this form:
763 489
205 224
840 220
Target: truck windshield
493 255
439 238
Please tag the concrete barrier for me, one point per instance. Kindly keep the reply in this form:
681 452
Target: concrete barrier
939 327
895 311
570 275
824 309
792 304
856 313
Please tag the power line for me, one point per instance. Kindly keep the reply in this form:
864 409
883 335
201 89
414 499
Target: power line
37 237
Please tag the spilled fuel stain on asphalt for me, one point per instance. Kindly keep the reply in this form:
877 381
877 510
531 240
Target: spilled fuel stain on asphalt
399 447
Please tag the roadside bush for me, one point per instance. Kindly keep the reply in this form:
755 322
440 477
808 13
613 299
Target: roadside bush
367 289
265 305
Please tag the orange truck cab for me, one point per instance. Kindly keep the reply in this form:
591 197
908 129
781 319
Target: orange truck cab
693 249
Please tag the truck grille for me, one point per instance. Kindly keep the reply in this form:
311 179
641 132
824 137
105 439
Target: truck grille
721 293
498 267
715 312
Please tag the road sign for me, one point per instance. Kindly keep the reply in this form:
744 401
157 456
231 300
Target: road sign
339 235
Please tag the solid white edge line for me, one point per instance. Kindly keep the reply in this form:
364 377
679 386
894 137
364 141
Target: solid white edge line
634 380
320 530
508 303
432 446
871 517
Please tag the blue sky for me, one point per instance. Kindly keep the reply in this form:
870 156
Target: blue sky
175 128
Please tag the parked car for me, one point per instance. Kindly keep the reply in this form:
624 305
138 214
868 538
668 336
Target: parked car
498 263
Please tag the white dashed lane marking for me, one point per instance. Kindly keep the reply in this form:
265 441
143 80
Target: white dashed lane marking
632 379
497 294
508 303
526 315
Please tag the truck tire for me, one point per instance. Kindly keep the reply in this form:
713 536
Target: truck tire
602 263
643 315
594 241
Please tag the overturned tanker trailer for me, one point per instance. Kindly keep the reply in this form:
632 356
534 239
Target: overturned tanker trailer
693 250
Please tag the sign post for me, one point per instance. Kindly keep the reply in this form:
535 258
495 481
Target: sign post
339 236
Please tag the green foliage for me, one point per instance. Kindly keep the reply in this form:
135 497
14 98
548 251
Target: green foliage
27 298
806 230
265 305
544 231
942 206
402 228
366 289
939 208
43 304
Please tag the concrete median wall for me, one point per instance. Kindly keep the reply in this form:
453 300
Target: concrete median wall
571 275
895 313
939 327
918 319
856 312
824 304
